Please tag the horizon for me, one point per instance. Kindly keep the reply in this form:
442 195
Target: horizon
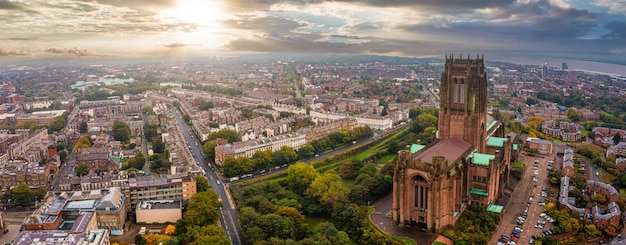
567 29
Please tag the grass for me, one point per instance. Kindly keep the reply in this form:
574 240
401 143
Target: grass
592 147
517 165
349 183
358 85
386 159
607 177
622 192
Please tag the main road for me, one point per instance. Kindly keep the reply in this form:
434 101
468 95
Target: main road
228 217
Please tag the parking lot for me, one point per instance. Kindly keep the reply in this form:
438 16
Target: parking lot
522 213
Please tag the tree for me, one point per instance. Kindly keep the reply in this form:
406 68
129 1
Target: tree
82 142
158 146
202 184
347 170
202 209
591 231
170 230
121 131
263 159
83 127
617 138
22 194
139 240
299 177
57 124
209 234
150 131
572 114
426 120
306 151
81 169
328 188
285 155
227 134
209 149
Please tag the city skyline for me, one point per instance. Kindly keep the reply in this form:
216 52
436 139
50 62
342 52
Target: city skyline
576 29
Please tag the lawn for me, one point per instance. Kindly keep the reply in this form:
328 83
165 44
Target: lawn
607 177
622 192
517 165
386 159
592 147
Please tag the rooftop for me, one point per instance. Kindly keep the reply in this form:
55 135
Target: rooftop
452 149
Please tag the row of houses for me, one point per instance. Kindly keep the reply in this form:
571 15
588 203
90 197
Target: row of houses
602 217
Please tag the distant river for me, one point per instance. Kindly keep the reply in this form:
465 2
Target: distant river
572 64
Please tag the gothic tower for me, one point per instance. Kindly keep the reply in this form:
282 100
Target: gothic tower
463 101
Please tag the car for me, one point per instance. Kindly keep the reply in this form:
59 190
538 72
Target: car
218 182
262 171
531 241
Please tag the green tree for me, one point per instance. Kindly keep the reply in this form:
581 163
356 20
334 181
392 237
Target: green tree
202 209
227 134
285 155
150 131
81 169
426 120
306 151
209 234
121 131
572 114
236 166
209 149
328 188
83 127
617 138
202 184
263 159
139 240
158 146
299 177
57 124
22 194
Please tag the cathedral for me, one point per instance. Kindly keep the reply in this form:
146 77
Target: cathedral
468 163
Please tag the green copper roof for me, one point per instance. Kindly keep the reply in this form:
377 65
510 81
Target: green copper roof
478 192
495 208
496 141
482 159
515 147
416 148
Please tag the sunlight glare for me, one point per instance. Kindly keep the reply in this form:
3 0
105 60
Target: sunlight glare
201 12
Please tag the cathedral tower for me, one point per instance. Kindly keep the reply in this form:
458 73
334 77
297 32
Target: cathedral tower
463 101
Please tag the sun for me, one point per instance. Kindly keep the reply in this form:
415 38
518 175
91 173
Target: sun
200 12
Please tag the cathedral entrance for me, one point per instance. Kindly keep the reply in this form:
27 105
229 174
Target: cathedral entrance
420 201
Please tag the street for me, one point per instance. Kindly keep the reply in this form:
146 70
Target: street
228 217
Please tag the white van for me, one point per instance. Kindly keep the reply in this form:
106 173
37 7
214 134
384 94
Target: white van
142 231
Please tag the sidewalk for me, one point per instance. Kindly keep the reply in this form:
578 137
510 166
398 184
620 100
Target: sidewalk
381 218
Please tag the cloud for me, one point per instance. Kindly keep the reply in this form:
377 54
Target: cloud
145 5
21 38
70 51
175 45
15 6
21 52
617 28
614 6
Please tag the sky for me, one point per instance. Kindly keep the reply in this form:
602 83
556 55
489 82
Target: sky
577 29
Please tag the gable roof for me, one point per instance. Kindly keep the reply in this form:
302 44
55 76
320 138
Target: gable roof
452 149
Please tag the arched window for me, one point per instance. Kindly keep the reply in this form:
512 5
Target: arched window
421 192
462 92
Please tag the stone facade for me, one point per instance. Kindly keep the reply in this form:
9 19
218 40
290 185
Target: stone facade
469 163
